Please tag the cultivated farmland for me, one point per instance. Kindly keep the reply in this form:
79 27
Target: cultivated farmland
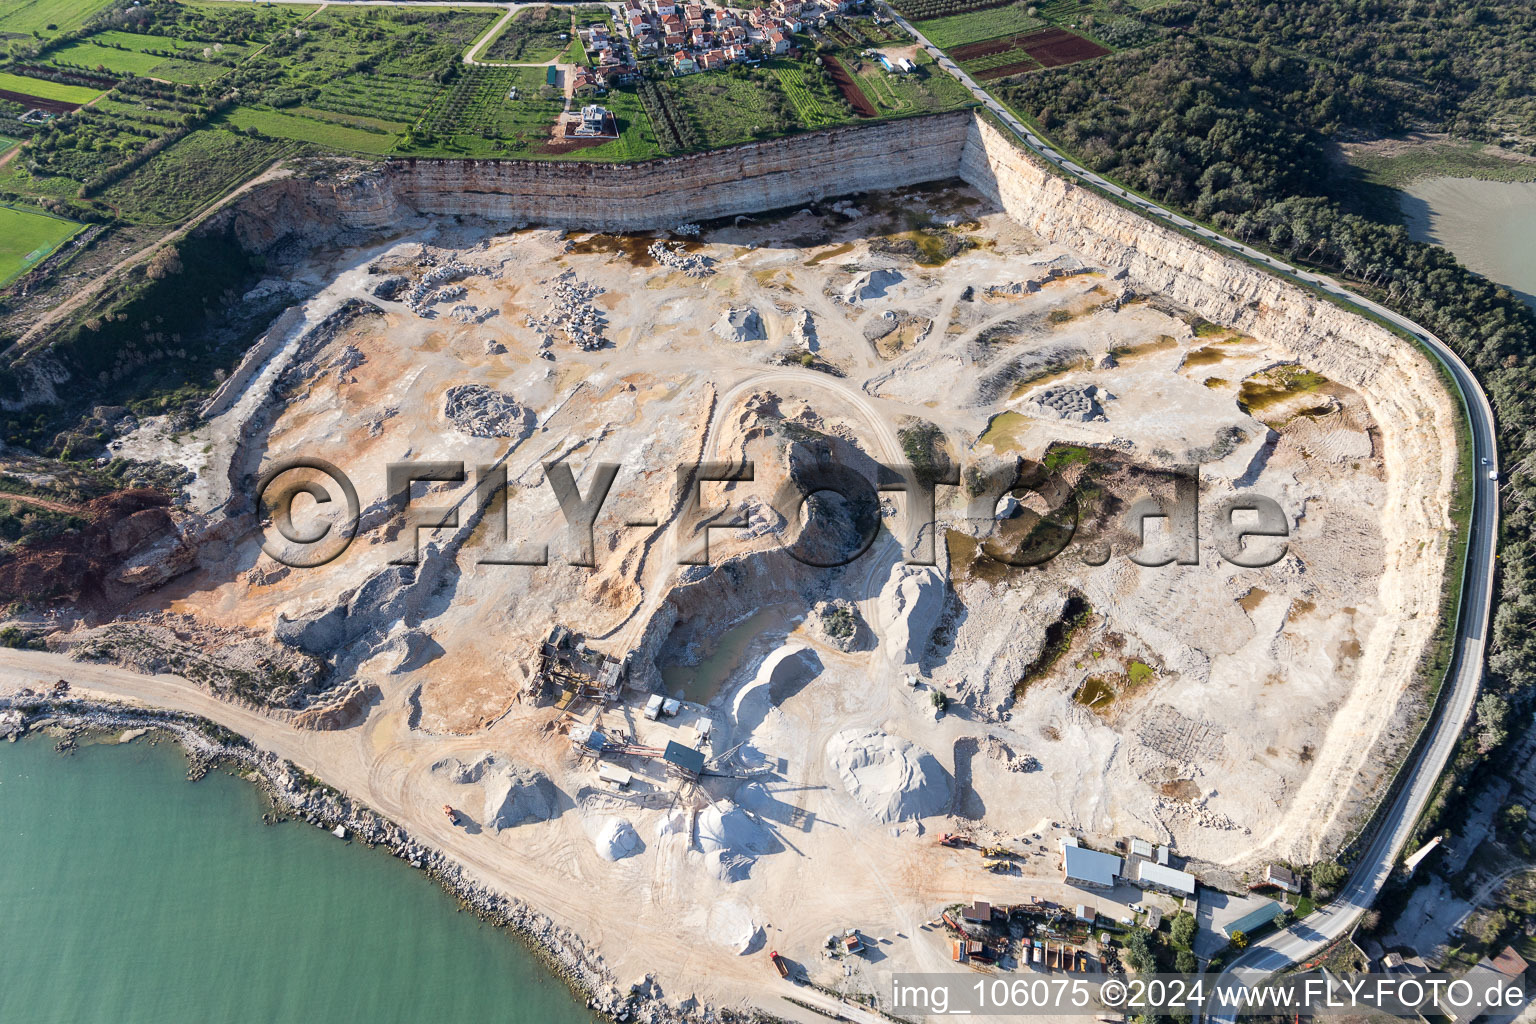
322 132
46 17
816 103
960 29
43 89
534 35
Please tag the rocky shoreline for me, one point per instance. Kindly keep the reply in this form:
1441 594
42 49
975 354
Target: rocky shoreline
296 794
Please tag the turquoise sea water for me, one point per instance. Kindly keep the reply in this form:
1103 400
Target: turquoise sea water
129 895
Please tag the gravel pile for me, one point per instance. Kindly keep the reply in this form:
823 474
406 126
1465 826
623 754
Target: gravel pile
571 312
678 258
480 411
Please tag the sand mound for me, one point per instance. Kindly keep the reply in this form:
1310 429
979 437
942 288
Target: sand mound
731 925
908 609
724 826
514 794
740 325
889 777
732 840
617 839
781 675
674 824
872 284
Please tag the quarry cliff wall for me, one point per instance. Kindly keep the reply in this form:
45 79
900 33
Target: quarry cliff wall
664 193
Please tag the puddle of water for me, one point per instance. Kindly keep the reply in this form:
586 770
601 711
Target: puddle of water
732 650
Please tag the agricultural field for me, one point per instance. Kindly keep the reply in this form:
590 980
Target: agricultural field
26 239
816 100
43 89
176 60
973 26
735 107
46 17
320 131
392 102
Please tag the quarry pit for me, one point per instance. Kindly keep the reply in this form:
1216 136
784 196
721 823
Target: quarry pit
847 713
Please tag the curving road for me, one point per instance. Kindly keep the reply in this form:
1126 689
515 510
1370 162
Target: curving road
1307 937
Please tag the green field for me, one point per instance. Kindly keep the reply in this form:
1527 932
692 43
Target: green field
26 239
23 17
328 134
959 29
46 90
89 55
805 91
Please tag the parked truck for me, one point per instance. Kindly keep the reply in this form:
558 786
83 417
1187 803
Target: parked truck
780 963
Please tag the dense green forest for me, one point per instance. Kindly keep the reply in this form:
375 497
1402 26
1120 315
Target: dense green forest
1231 114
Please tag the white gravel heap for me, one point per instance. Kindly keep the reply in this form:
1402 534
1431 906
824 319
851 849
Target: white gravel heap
724 826
908 610
872 284
890 778
514 794
480 411
744 324
617 839
678 258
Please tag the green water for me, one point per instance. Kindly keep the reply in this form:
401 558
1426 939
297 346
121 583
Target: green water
128 895
701 683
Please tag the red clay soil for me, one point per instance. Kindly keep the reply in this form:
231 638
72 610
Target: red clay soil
1056 47
987 47
1007 69
38 103
80 566
850 89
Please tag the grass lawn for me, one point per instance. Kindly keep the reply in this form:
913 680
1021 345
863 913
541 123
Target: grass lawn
959 29
46 90
6 142
325 133
1437 159
27 16
26 238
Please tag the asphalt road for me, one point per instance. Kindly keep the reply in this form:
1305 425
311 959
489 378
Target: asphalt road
1310 935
